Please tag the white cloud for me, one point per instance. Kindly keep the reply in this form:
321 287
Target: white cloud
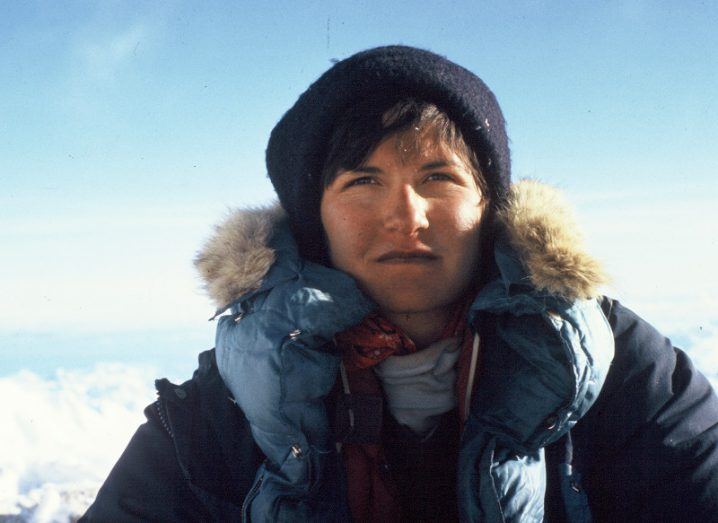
62 439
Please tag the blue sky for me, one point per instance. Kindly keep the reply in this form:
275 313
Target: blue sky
127 128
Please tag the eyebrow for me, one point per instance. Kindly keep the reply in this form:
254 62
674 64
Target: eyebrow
368 169
436 165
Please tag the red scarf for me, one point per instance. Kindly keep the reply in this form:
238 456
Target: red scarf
371 493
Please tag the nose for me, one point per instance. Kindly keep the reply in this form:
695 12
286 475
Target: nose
405 211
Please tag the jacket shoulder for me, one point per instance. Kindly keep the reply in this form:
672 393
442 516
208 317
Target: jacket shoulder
146 483
648 370
649 445
193 460
211 435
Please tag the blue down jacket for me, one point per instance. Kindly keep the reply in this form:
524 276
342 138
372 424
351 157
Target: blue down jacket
268 454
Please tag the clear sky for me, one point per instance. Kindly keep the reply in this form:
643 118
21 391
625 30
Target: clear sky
127 128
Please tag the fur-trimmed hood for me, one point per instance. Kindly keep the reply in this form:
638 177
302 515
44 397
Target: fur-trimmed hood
540 226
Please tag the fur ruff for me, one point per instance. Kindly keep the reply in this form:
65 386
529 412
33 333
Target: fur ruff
235 260
544 233
540 225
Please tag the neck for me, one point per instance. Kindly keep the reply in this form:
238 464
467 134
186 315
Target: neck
424 328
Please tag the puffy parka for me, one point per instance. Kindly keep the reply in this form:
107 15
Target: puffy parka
560 427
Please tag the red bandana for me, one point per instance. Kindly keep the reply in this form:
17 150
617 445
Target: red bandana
371 342
376 338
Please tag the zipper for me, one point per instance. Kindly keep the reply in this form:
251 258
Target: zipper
250 496
163 418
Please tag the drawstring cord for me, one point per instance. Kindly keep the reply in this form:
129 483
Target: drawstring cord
347 391
472 375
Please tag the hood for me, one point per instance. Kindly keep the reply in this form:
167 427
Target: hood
539 225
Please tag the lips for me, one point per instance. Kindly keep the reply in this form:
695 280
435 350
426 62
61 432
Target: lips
412 256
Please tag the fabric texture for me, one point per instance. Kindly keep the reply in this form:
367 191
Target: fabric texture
372 341
421 387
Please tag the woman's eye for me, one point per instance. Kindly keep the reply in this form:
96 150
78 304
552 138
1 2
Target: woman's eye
363 180
442 177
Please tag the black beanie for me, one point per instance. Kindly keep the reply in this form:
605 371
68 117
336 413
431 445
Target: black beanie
299 143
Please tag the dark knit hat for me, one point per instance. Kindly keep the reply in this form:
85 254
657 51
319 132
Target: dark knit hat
299 143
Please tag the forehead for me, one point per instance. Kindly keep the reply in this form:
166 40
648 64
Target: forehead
415 145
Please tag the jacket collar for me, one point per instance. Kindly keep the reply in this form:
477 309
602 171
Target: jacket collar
539 231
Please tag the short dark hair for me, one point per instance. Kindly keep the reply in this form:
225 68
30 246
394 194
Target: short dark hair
363 127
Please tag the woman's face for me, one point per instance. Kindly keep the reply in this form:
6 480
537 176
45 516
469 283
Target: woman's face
405 224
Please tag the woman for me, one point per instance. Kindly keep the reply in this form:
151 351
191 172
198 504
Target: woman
409 338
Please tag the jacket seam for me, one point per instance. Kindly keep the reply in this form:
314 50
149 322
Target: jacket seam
163 419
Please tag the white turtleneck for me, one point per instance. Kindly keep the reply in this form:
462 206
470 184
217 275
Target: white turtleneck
420 387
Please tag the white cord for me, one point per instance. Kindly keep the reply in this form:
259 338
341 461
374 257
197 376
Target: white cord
345 386
472 374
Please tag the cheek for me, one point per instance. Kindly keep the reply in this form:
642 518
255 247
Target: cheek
466 218
345 232
466 223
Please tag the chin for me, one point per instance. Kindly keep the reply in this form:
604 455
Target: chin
414 303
